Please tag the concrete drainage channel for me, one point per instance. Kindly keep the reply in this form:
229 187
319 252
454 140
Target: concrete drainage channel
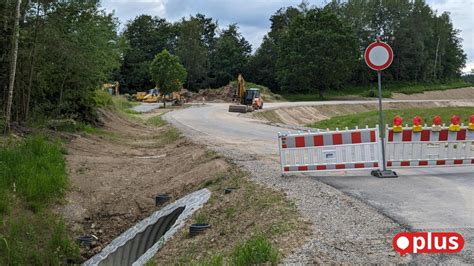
140 243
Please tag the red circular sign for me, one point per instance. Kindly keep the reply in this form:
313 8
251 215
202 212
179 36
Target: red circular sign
378 55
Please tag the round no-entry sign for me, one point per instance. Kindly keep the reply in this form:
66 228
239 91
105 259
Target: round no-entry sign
378 55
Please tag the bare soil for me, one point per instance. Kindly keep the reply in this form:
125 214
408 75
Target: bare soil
303 115
116 175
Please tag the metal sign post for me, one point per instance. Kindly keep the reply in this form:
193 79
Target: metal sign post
379 56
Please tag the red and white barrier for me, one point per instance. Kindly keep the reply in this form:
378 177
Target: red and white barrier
415 146
430 148
330 150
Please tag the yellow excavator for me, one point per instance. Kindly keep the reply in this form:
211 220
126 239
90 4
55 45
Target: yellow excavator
248 99
112 88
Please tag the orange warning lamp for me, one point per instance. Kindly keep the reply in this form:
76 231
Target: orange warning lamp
437 123
471 123
455 124
397 124
417 124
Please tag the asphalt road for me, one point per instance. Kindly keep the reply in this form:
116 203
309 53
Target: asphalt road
433 199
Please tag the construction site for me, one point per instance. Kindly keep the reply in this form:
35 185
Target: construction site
153 133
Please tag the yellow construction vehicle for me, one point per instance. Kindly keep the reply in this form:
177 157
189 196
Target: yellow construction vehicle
140 95
248 99
112 88
153 96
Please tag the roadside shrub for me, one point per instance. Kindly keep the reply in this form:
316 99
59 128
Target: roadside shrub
122 104
102 98
374 94
257 250
36 167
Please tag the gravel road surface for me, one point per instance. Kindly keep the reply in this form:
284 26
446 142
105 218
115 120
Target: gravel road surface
354 215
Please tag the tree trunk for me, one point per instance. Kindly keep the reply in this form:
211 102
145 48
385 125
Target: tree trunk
16 35
32 63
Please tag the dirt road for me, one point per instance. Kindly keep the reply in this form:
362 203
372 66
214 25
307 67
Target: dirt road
351 227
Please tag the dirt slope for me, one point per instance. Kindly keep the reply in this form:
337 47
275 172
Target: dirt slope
115 175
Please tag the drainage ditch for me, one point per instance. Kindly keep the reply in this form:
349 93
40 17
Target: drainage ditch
141 242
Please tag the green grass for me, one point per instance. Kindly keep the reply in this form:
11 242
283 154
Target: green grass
257 250
124 105
36 168
35 239
33 178
372 91
156 121
371 118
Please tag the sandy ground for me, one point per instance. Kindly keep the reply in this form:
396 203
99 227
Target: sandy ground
303 115
115 176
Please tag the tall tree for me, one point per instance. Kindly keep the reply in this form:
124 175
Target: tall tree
317 52
231 56
262 67
195 44
146 36
167 73
16 36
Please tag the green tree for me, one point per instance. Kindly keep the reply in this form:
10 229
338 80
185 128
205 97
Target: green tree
231 56
67 49
317 52
146 36
262 67
195 41
167 73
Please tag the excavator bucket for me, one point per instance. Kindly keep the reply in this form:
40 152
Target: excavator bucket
238 108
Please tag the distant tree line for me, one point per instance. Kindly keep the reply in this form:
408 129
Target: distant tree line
66 50
212 57
308 48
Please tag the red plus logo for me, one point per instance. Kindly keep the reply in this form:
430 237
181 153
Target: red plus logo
427 242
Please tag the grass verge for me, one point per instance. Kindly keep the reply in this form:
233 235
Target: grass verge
372 91
251 225
35 168
371 118
33 178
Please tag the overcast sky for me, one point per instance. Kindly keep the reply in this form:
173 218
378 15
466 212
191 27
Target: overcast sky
252 16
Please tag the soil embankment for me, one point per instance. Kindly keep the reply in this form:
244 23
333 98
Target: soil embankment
303 115
116 174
